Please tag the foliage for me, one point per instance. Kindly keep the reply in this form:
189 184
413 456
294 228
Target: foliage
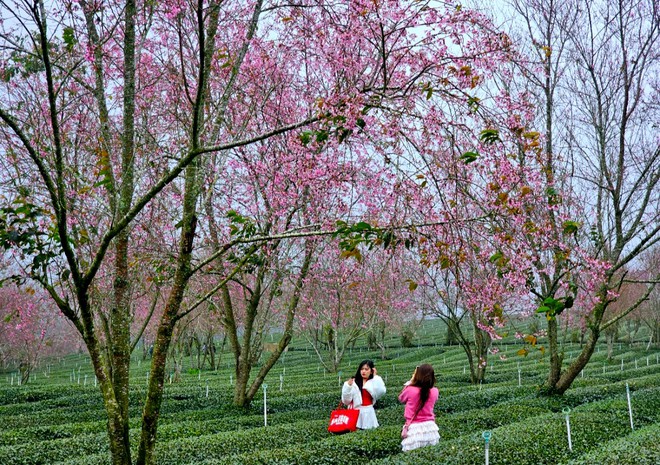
638 448
47 422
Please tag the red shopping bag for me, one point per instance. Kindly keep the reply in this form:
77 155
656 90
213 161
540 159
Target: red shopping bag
343 420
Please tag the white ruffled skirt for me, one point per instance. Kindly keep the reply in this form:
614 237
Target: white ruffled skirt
367 418
421 434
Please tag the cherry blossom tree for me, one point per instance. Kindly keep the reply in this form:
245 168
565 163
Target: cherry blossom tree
590 67
30 330
648 313
346 299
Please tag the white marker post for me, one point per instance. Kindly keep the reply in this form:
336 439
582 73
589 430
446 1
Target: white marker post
566 411
207 388
629 407
265 386
281 381
339 377
486 435
519 378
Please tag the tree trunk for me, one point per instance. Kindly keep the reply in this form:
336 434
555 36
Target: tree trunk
154 393
451 337
563 382
609 338
120 333
573 370
556 359
165 330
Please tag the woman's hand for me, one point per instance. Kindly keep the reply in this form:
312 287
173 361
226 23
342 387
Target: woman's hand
375 371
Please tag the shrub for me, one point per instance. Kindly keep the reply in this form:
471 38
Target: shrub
639 448
407 338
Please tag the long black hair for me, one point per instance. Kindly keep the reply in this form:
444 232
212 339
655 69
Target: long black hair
358 375
424 379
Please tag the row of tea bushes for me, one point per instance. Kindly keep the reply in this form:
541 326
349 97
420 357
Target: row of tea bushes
508 420
477 404
638 448
542 439
321 448
460 443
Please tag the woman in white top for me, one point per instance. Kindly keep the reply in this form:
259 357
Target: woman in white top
363 390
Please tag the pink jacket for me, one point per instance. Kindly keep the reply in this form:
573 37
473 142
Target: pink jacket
410 395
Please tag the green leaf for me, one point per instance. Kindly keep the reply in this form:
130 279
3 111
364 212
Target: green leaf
445 262
473 103
361 226
469 157
571 227
387 239
495 257
305 137
342 134
550 302
69 38
489 136
321 136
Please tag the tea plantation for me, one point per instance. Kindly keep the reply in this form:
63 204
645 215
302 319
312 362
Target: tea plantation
59 418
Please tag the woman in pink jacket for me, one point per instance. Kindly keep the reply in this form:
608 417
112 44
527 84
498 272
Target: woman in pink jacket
419 396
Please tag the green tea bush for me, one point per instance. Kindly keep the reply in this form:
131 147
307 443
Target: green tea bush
639 448
541 439
49 452
194 450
